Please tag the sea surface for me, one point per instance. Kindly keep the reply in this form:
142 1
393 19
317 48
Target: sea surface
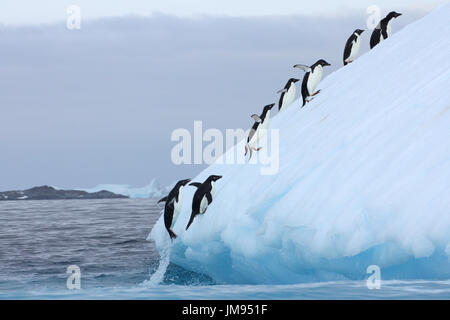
106 239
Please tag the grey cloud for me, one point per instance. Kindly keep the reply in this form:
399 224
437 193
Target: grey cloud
98 105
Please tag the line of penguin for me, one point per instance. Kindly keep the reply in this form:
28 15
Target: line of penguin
203 196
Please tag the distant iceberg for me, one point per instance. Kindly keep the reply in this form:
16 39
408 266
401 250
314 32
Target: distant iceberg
152 190
364 178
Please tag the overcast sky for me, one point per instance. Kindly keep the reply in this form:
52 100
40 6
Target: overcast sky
98 105
48 11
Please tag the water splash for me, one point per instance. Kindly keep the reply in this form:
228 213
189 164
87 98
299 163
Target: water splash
158 276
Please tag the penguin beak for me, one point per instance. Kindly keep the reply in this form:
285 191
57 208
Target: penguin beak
295 80
218 177
398 15
327 64
185 182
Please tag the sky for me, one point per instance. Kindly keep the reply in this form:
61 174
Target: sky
49 11
98 105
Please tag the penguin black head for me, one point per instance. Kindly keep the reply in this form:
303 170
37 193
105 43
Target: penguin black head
323 63
214 178
183 182
268 107
393 14
359 31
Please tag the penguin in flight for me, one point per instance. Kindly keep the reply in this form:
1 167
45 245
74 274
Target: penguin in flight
352 46
287 94
259 129
311 79
172 207
202 197
383 30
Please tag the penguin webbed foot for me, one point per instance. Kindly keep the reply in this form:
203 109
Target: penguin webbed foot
306 101
172 235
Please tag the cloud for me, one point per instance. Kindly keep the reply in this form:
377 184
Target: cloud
98 105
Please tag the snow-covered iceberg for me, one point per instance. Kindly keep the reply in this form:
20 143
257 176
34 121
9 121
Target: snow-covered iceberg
153 189
364 178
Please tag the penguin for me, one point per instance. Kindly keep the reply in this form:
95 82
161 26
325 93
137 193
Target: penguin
311 79
202 197
287 94
259 129
383 30
172 207
352 46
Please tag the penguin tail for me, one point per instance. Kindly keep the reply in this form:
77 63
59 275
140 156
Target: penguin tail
172 234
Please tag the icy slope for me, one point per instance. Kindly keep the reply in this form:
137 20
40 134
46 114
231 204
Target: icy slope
364 178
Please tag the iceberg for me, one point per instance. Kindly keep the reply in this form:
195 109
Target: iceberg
363 179
152 190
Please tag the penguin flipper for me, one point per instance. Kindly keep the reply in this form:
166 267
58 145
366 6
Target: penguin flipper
195 184
303 67
191 220
208 197
163 199
375 38
256 118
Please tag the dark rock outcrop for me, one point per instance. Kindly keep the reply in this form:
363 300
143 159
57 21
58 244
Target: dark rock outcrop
50 193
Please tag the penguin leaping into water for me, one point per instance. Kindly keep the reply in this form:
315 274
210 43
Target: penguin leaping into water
172 207
383 30
311 79
259 129
202 197
352 46
287 94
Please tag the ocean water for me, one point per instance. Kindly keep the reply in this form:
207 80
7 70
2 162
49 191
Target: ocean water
106 240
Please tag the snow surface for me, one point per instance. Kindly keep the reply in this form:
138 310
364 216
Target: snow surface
364 178
151 190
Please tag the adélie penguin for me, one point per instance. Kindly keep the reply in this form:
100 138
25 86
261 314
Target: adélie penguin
311 79
172 207
287 94
352 46
258 130
203 197
384 29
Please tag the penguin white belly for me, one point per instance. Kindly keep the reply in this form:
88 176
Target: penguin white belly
389 28
261 131
355 49
176 212
289 97
203 205
213 188
314 78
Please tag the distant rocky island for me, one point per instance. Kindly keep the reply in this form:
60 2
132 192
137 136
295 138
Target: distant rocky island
50 193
